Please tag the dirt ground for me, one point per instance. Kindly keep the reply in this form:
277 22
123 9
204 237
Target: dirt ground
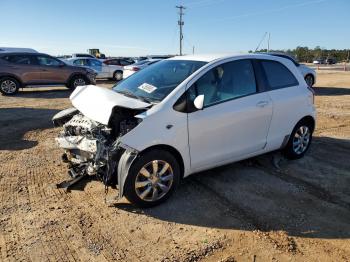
261 209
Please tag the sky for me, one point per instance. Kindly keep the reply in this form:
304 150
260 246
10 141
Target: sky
141 27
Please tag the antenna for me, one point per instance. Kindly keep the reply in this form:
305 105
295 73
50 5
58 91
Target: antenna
262 39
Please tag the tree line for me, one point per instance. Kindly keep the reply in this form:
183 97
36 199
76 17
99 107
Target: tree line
308 55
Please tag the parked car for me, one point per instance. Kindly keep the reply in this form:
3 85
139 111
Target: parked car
184 115
103 70
21 69
308 73
331 61
133 68
119 61
82 55
319 61
17 49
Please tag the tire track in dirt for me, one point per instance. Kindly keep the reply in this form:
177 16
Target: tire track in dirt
251 221
314 190
98 238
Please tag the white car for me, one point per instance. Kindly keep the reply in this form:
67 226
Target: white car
184 115
103 71
308 73
133 68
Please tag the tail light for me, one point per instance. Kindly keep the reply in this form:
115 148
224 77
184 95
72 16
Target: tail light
134 68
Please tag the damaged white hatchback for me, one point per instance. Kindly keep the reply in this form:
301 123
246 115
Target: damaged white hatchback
184 115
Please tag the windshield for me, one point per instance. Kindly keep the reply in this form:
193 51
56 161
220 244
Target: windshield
156 81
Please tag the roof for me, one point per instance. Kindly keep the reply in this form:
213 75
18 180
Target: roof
213 57
20 53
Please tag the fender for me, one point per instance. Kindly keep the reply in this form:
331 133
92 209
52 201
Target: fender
124 165
13 76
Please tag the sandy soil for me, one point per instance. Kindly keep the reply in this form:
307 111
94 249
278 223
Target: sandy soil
248 211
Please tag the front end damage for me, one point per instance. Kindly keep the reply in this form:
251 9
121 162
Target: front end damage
92 148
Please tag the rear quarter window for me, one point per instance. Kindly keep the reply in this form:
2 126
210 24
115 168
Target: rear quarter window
277 75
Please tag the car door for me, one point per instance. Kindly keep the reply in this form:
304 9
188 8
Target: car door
25 66
52 71
99 67
235 119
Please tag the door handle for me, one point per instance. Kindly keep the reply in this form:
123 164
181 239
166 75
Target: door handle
262 103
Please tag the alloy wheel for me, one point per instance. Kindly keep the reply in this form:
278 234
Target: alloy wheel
154 180
79 82
8 86
309 80
301 139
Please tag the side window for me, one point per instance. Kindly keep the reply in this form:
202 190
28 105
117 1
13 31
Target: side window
225 82
94 62
124 63
80 62
19 59
47 61
278 76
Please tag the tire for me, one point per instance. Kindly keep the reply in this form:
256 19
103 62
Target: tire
77 80
118 75
309 79
302 136
152 189
9 86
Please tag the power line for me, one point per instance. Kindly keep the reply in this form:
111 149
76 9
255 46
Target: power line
181 23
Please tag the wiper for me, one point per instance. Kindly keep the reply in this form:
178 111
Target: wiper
128 93
132 95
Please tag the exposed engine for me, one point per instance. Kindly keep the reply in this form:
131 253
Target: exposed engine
92 148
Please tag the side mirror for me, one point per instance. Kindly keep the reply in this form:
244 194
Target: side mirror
199 102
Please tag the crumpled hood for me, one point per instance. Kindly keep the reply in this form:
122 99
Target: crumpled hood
97 102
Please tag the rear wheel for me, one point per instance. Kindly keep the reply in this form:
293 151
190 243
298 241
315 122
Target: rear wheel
9 86
78 80
152 178
300 140
309 79
118 75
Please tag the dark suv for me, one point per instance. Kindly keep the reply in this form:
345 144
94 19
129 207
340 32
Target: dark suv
18 70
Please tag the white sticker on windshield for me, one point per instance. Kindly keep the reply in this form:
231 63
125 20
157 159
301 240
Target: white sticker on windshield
147 88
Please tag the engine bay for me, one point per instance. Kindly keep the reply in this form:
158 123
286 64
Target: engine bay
92 148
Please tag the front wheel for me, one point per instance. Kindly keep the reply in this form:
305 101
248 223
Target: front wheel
152 178
78 80
9 86
299 141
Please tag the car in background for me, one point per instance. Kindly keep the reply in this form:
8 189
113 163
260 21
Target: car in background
131 69
103 70
82 55
308 73
21 69
319 61
331 61
119 61
17 49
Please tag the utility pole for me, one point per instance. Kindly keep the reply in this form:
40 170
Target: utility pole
268 43
181 23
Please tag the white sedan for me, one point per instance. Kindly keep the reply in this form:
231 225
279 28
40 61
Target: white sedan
103 71
131 69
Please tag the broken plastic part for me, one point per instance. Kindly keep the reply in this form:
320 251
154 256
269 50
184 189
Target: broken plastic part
64 116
